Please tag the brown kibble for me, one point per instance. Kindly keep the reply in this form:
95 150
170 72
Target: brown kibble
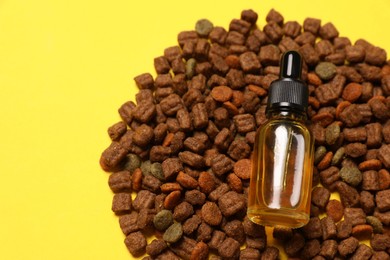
294 245
211 214
250 253
384 179
355 150
233 61
313 228
372 164
206 182
136 243
129 222
112 156
120 181
242 168
348 246
258 90
352 92
307 50
380 242
384 155
320 197
312 25
249 62
237 98
367 202
313 79
330 177
318 133
329 229
234 182
340 107
231 108
325 162
186 180
382 200
356 134
328 31
355 53
362 231
370 180
351 115
172 199
324 119
355 216
274 16
328 249
231 203
344 229
380 255
170 186
335 210
168 139
117 130
221 93
136 179
200 251
144 81
121 203
229 248
282 233
348 195
314 103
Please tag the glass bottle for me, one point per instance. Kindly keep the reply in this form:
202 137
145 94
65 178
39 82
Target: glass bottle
282 160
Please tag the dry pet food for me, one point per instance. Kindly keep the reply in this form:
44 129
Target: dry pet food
179 156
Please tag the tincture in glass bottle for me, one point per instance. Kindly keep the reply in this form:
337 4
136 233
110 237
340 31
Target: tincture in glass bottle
282 160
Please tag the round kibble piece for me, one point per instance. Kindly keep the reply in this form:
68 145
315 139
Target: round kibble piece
326 70
338 156
319 154
173 233
352 92
332 133
133 162
375 223
172 199
335 210
206 182
203 27
200 251
190 68
163 219
221 93
351 175
325 162
242 168
211 214
146 167
156 171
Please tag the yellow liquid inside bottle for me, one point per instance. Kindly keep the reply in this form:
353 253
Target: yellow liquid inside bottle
281 178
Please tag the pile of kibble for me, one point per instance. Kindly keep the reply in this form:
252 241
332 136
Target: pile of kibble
180 157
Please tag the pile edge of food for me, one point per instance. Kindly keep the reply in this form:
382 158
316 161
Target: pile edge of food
179 159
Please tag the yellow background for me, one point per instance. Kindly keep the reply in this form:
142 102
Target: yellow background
65 69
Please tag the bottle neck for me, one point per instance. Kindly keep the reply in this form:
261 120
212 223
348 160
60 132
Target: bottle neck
292 114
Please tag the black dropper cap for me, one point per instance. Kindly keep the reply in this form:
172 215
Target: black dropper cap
289 91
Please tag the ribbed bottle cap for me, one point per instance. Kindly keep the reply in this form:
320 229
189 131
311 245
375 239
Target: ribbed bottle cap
289 91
